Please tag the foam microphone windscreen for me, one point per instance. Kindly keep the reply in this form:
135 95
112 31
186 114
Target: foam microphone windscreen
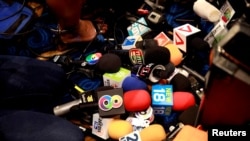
133 83
146 43
109 63
180 83
123 55
118 128
136 100
154 132
182 100
199 44
176 55
157 55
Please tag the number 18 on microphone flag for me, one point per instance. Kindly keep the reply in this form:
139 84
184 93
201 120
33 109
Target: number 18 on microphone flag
162 99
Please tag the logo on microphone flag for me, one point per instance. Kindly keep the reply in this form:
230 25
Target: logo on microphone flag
130 42
162 99
162 39
181 35
134 136
136 56
110 102
100 126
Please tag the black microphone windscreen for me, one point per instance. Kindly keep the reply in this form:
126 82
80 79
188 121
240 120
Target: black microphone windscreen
109 63
199 44
157 55
170 67
180 83
146 43
124 56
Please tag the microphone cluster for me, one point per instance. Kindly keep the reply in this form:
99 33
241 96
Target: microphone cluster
144 84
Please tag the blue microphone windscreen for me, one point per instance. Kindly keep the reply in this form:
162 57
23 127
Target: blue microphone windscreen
133 83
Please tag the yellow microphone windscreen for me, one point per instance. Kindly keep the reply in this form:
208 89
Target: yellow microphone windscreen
119 128
154 132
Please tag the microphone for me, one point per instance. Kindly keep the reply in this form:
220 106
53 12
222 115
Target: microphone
179 80
180 83
182 36
146 44
133 100
65 108
100 126
157 55
154 132
145 72
164 74
154 73
133 56
86 100
119 128
198 57
133 83
108 63
188 132
136 56
176 55
207 11
182 100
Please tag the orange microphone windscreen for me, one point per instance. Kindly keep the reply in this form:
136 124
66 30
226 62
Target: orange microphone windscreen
175 54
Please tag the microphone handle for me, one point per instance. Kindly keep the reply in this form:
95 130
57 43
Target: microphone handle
92 106
65 108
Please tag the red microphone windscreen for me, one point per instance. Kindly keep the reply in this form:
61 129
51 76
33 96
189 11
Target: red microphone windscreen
182 101
136 100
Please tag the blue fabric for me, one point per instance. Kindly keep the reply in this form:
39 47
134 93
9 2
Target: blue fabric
179 14
29 89
35 126
27 82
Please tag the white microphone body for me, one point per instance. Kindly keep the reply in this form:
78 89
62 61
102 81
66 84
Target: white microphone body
206 10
